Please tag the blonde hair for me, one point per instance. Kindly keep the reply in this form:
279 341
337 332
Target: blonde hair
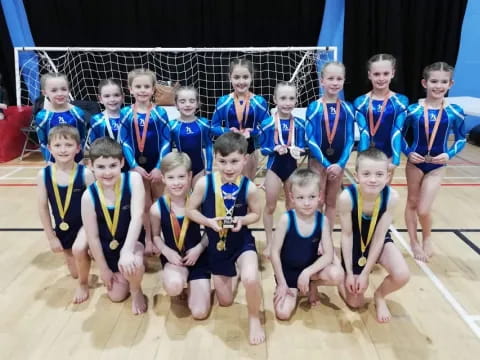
327 64
52 75
174 160
372 154
64 131
132 75
303 177
187 88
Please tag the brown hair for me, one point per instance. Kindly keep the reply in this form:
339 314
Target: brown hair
186 88
64 131
382 57
327 64
437 66
241 62
110 81
105 147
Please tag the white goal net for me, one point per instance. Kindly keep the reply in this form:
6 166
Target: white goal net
204 68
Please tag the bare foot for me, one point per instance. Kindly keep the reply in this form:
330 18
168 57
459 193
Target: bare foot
139 303
383 314
81 294
428 247
257 334
313 295
418 252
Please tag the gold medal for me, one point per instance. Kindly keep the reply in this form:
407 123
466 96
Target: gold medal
362 261
428 158
64 226
114 244
63 207
221 245
112 224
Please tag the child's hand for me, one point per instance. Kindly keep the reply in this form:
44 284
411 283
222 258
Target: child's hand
361 283
246 133
237 220
234 129
281 293
55 245
142 172
127 264
441 159
415 158
296 152
213 223
350 283
155 175
280 149
172 256
192 255
303 282
107 277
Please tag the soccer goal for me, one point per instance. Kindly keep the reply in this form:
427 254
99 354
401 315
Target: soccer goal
205 68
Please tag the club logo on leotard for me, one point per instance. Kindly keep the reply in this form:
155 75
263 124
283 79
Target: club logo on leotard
61 120
379 108
141 122
284 127
433 118
333 110
188 130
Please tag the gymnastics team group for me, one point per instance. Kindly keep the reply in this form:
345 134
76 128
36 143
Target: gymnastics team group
118 192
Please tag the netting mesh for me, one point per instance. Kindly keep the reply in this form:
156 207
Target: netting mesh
206 70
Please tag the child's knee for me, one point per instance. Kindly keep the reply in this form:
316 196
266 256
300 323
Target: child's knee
401 276
224 300
283 314
199 311
423 211
118 293
335 274
79 250
173 287
270 207
250 279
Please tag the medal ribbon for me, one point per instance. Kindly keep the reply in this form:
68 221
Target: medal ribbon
278 133
373 220
178 233
241 110
112 225
431 139
374 127
331 132
143 137
108 125
62 209
220 209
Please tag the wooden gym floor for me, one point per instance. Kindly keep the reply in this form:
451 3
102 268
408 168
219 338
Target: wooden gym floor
436 316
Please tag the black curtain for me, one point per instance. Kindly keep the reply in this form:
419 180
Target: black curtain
416 32
173 23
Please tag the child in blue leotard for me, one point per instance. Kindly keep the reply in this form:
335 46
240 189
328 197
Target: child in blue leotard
431 121
191 134
58 110
107 122
329 133
145 137
380 114
241 111
282 139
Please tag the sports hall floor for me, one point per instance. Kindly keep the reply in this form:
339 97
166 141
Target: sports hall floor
436 316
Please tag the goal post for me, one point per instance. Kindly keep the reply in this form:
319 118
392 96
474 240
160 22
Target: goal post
204 68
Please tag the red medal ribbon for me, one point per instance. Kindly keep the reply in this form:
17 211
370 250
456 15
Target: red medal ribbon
278 131
374 127
143 137
331 132
431 139
242 109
